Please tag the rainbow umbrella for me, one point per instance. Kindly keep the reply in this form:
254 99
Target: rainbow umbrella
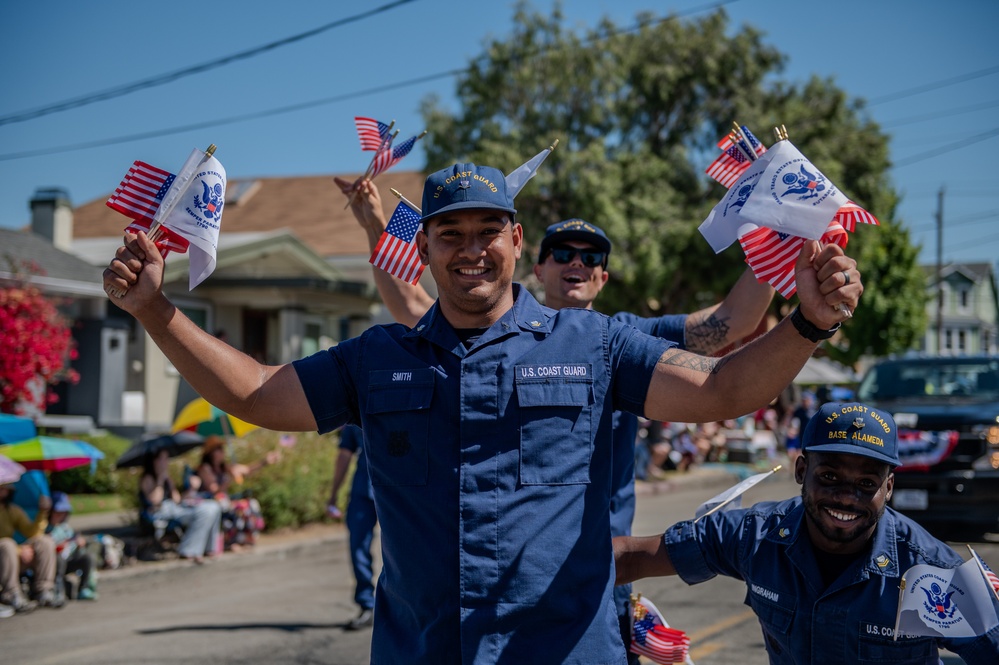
48 453
10 471
201 417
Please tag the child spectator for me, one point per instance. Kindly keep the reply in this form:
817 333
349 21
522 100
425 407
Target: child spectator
74 555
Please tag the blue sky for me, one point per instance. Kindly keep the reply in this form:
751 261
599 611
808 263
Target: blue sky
58 50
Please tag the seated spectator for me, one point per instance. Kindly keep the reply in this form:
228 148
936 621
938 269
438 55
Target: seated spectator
36 554
242 519
159 499
74 556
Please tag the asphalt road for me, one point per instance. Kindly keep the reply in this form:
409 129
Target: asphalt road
289 603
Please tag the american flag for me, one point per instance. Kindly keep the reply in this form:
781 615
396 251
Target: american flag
139 196
737 156
371 132
990 577
389 157
772 255
851 214
653 638
396 252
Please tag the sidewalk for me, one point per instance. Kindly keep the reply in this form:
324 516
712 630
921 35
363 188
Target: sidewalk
122 523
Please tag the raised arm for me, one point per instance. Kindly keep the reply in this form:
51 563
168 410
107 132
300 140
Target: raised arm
268 396
735 317
687 387
407 303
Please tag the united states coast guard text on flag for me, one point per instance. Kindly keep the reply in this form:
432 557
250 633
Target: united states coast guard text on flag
396 251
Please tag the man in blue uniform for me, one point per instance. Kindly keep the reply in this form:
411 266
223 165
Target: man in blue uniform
823 569
487 427
572 267
361 520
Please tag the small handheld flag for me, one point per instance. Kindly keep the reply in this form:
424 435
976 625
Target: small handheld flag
517 178
189 206
990 578
386 158
732 497
653 638
372 132
776 200
941 602
396 251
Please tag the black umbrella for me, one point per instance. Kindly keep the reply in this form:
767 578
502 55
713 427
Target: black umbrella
174 444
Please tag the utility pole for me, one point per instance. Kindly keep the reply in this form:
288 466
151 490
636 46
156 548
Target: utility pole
940 298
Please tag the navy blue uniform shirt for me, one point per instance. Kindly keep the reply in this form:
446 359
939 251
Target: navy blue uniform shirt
351 438
491 468
851 621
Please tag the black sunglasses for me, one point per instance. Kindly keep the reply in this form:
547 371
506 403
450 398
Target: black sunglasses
591 258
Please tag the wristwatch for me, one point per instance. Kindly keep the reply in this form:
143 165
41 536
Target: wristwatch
808 330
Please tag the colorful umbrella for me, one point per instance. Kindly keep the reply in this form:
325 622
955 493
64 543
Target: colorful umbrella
10 471
201 417
15 428
174 444
51 454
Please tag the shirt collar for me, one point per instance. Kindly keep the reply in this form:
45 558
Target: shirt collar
882 559
527 314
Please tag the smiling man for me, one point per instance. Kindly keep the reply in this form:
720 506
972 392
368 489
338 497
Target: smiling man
822 569
487 427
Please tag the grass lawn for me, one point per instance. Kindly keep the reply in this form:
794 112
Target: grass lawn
96 503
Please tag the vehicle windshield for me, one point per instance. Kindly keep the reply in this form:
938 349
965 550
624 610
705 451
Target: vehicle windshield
943 377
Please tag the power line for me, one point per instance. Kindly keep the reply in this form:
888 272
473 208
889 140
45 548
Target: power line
940 114
962 221
318 102
950 147
162 79
936 85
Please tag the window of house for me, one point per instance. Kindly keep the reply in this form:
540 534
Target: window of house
963 294
960 341
311 337
948 340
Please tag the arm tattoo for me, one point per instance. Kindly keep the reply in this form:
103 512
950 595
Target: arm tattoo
692 361
708 334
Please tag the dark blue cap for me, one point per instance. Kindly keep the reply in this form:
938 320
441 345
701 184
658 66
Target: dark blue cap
465 186
573 229
853 429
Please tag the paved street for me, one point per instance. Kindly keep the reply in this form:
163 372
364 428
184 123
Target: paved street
288 602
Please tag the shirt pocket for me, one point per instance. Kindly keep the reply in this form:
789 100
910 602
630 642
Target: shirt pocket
556 440
397 426
776 620
873 649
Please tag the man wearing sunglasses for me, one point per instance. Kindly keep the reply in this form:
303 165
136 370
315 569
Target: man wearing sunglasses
572 267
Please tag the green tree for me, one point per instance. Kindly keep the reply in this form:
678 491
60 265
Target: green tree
638 112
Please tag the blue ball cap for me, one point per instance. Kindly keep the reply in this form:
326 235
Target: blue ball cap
465 186
573 229
60 503
853 429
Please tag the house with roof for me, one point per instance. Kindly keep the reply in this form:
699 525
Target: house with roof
292 277
969 314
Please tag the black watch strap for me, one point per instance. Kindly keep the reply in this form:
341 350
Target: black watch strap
808 330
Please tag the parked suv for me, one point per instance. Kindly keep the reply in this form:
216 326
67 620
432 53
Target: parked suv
947 413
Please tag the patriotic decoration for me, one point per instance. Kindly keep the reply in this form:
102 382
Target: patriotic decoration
776 200
741 148
652 637
732 497
371 132
139 196
387 157
396 252
918 450
517 178
990 578
179 211
941 602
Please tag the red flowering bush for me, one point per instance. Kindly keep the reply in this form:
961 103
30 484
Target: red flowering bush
35 350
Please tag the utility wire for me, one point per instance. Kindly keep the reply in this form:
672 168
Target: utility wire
318 102
162 79
939 114
950 147
936 85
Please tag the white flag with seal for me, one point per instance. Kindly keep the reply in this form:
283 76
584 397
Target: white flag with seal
731 498
197 213
942 602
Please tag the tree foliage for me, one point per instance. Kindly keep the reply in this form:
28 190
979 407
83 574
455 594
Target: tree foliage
35 350
637 112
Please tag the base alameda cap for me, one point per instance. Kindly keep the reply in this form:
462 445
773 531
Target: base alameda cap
465 186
